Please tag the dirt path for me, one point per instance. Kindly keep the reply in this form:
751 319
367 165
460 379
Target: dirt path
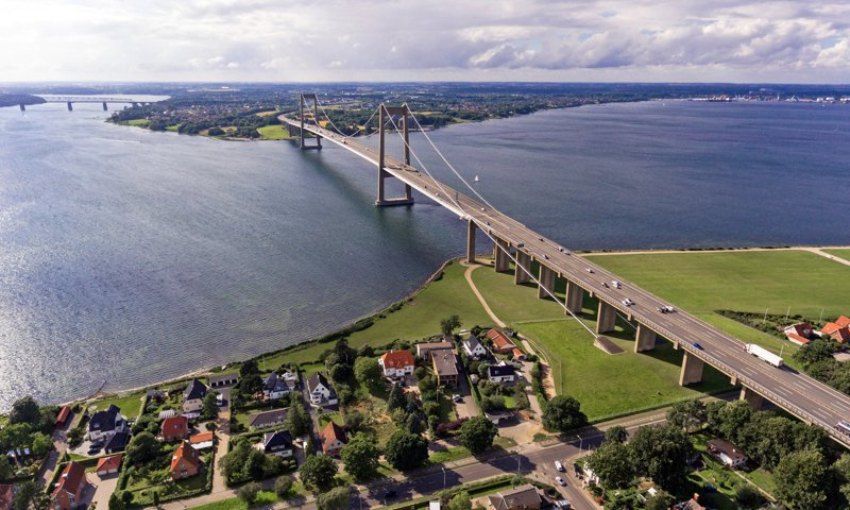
819 251
468 275
814 249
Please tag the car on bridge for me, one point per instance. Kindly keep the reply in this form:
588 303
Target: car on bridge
628 302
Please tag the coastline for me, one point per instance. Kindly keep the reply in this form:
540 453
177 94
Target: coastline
397 304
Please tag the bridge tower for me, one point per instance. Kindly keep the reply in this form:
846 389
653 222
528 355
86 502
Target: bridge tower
314 115
70 106
384 113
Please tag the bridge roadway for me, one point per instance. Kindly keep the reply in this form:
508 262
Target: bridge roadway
806 398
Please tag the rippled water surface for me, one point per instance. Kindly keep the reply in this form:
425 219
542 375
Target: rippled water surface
128 256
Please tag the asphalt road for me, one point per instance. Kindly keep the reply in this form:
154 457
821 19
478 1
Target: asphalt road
799 394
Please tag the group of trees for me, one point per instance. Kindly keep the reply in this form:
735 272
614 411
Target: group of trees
562 414
243 463
660 453
339 363
30 426
817 360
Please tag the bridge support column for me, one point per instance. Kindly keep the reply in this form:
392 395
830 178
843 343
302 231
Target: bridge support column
383 113
304 111
501 261
522 271
691 370
23 107
470 241
575 297
546 283
70 106
752 398
644 339
606 318
105 108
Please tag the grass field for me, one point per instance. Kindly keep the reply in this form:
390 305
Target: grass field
274 132
139 122
843 253
130 403
417 319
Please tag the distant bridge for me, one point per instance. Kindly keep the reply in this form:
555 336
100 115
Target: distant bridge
70 100
806 398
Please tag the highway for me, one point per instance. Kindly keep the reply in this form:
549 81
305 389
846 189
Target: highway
797 393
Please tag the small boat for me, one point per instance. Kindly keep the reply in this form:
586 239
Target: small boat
476 178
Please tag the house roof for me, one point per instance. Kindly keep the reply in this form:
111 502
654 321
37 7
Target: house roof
104 421
500 370
118 441
801 328
72 477
797 339
175 426
221 378
841 334
718 446
332 432
445 363
274 383
425 348
63 414
524 496
196 389
500 340
275 439
186 453
266 418
397 359
201 437
843 321
315 380
517 353
113 462
471 343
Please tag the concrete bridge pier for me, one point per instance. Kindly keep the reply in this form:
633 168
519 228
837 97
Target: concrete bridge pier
501 261
23 107
546 283
470 241
575 297
70 106
691 370
105 108
522 271
644 339
606 318
752 398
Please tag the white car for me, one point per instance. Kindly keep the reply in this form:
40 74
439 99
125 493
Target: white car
666 309
616 284
628 302
589 270
559 466
562 503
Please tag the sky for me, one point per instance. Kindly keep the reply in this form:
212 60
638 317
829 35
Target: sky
425 40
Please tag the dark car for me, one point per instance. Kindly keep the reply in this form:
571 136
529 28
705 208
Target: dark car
698 346
390 494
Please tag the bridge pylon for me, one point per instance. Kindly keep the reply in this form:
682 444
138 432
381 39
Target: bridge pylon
384 113
314 115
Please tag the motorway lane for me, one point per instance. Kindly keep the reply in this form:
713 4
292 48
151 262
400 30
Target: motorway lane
801 395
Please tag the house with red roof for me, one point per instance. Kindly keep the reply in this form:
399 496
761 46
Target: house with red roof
70 488
62 417
107 466
501 343
185 462
836 331
175 428
397 363
333 439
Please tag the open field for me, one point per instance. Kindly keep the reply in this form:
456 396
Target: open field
417 319
129 403
843 253
274 132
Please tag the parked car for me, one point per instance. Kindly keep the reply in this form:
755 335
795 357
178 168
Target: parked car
561 481
457 398
559 466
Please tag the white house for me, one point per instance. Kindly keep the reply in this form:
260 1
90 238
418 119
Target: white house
397 363
501 373
193 396
105 424
275 387
473 348
321 392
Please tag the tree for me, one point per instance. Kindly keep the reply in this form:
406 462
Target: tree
115 502
477 434
318 472
563 413
25 410
249 367
250 384
662 500
334 499
248 492
689 415
460 501
616 434
341 372
282 486
748 497
803 481
297 421
30 496
612 463
367 372
255 465
210 409
815 351
405 450
360 456
628 499
41 444
733 417
6 471
345 354
142 448
662 453
396 399
449 324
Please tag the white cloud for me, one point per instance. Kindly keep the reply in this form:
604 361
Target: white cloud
287 40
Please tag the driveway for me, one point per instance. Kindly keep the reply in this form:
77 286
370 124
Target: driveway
468 408
104 487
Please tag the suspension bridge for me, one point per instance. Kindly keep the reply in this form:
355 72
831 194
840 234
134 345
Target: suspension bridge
104 100
519 248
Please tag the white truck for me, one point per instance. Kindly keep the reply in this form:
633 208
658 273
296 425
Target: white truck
764 355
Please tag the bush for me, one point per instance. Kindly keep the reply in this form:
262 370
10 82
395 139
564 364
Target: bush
248 492
282 486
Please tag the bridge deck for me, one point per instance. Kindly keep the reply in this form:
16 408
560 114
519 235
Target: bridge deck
797 393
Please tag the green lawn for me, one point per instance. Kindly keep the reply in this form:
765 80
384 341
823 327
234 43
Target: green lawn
130 403
264 499
139 122
274 132
417 319
843 253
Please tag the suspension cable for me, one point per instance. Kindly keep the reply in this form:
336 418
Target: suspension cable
339 131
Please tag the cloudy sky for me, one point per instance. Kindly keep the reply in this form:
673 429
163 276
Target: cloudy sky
333 40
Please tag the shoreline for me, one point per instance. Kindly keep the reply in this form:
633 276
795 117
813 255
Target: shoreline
351 327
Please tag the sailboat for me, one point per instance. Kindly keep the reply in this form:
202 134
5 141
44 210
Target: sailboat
476 177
